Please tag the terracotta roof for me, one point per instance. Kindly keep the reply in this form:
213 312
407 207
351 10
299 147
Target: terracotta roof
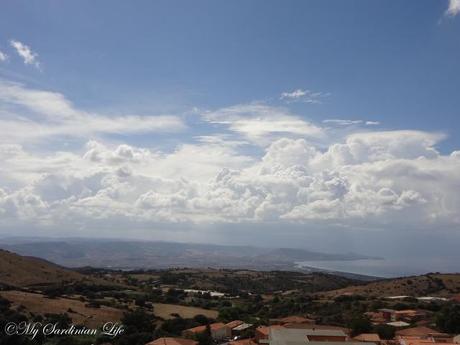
243 342
201 329
295 319
418 341
263 329
216 326
173 341
234 323
367 337
421 331
266 329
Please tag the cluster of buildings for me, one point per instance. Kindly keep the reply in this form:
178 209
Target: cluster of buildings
297 330
219 330
396 318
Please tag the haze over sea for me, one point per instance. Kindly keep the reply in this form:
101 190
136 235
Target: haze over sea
389 268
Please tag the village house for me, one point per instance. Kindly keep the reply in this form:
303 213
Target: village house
409 315
315 334
237 327
219 331
390 315
172 341
368 337
292 336
262 333
420 332
421 341
240 329
232 324
376 318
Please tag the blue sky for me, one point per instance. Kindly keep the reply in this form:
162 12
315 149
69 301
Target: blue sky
396 62
224 116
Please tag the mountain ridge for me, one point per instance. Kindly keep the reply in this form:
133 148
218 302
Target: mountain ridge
132 254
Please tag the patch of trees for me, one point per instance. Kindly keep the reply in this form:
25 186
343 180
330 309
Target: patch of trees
448 319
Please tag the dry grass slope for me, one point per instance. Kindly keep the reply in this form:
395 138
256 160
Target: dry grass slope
165 310
77 310
20 271
425 285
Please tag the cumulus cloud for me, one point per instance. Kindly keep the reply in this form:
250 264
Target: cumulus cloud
305 96
29 57
372 176
251 163
454 8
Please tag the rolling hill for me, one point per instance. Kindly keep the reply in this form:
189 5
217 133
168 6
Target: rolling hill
21 271
432 284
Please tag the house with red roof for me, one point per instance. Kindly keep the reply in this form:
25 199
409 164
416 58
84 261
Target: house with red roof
172 341
219 331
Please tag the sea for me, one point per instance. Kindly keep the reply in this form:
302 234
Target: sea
388 268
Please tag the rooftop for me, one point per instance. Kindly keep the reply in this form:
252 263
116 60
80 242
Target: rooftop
172 341
234 323
292 336
200 329
421 331
242 327
367 337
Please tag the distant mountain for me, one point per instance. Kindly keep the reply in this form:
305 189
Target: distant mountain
151 254
20 271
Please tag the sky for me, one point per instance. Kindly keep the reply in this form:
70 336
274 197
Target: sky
322 124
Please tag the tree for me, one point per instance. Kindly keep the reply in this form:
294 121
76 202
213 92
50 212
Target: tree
231 313
138 321
448 319
201 319
385 331
204 338
360 324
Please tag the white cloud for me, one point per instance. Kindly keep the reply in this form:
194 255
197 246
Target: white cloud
454 8
3 56
261 123
30 115
344 122
24 51
372 176
341 122
305 96
251 163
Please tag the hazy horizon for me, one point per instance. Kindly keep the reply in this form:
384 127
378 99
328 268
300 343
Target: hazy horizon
324 125
387 266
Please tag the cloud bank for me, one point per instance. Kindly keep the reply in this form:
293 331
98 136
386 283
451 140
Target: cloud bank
255 164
